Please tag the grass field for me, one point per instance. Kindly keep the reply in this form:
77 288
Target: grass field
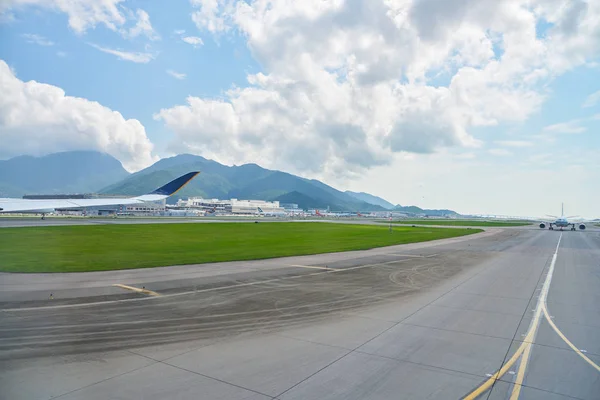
461 222
112 247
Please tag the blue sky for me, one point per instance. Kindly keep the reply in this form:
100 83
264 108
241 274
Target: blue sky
322 92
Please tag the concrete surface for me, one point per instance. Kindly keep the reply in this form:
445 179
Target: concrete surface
420 321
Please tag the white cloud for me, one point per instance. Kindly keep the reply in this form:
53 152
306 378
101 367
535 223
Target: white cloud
488 184
179 31
466 156
136 57
6 17
142 27
37 39
37 118
82 14
514 143
348 85
87 14
61 53
212 15
176 75
566 127
591 100
193 40
499 152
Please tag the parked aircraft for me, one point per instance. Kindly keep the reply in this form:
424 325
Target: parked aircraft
271 213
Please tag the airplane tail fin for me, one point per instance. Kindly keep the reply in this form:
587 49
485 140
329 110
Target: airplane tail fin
260 210
175 185
169 189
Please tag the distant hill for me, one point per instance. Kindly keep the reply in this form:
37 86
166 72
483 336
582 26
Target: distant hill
418 210
93 172
66 172
369 198
248 181
304 202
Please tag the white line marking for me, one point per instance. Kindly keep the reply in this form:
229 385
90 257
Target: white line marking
523 349
312 266
411 255
330 270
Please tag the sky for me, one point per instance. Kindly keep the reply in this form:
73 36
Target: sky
480 106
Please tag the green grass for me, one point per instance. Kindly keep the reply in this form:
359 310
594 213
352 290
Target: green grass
460 222
112 247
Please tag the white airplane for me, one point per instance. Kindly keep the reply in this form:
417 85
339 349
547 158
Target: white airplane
272 213
44 206
562 222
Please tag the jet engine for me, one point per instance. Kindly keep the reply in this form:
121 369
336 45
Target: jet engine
582 226
542 225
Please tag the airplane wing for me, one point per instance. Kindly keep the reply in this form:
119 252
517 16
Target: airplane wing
8 205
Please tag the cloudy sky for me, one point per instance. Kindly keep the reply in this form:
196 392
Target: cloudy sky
482 106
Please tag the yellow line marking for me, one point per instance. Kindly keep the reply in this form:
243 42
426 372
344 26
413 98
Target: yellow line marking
521 374
372 265
567 341
144 291
525 347
534 326
313 266
487 384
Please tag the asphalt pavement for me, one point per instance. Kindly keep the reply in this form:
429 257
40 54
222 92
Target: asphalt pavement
505 314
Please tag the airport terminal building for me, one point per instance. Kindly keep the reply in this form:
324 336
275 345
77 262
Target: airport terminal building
141 209
232 206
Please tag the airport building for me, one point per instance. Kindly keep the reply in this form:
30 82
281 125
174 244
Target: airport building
232 206
290 207
142 209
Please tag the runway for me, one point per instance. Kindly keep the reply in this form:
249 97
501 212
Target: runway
507 314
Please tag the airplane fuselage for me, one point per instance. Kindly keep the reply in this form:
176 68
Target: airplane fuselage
561 223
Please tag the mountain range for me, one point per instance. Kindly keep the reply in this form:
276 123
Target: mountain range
428 212
94 172
66 172
248 181
369 198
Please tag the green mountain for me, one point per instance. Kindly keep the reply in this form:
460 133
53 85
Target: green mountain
304 202
369 198
248 181
67 172
89 171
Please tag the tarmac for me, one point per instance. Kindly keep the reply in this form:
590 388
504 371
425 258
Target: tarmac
503 314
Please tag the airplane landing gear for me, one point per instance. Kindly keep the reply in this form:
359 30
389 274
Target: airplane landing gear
551 227
43 217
